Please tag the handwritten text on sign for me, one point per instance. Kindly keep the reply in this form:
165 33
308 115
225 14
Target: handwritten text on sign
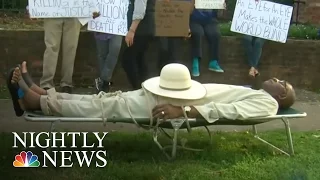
113 18
172 18
209 4
60 8
262 19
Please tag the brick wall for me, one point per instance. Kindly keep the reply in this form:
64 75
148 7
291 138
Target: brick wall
297 61
308 12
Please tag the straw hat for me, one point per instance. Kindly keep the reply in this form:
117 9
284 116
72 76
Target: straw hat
175 82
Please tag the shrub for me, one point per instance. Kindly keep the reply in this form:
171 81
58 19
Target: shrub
13 4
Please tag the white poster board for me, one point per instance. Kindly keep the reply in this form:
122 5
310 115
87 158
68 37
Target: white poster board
209 4
112 19
262 19
60 8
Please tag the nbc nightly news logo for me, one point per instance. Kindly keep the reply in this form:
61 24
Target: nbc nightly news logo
31 140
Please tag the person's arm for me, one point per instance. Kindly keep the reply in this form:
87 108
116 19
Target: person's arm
241 110
138 14
251 104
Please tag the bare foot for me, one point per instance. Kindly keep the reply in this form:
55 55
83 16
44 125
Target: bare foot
256 72
252 72
24 67
16 76
18 104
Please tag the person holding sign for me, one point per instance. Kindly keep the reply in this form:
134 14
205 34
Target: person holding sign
141 26
203 22
60 31
253 46
54 30
168 46
108 48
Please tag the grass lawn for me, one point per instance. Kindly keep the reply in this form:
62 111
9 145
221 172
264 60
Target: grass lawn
235 155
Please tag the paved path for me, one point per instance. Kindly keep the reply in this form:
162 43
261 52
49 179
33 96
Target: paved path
307 101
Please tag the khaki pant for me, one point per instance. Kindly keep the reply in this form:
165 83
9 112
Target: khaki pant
59 32
107 105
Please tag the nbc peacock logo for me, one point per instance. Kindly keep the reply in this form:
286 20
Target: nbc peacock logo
26 160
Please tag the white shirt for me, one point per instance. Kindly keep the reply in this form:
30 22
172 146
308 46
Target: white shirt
222 101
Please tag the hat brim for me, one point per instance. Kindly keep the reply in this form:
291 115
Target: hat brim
197 90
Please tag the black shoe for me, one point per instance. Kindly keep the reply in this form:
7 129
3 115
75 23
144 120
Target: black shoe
102 85
66 89
98 84
106 86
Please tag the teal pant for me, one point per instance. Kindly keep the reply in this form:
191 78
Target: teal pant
253 46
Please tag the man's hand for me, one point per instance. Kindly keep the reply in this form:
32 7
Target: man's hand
167 111
95 14
129 38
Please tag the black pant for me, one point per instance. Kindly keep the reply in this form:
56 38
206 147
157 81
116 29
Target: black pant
168 51
212 33
133 61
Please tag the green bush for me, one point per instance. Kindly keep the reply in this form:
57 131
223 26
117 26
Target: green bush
13 4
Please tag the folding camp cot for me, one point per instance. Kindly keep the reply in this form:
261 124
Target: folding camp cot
178 124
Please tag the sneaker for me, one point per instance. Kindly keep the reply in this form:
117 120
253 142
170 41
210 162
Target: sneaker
98 84
106 86
102 85
214 66
195 68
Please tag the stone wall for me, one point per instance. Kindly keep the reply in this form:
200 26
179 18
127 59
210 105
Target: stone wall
297 61
308 12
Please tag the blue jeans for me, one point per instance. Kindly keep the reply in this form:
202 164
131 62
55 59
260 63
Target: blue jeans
108 52
212 33
253 46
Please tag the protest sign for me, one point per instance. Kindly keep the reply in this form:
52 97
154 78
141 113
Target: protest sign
113 18
172 18
60 8
262 19
209 4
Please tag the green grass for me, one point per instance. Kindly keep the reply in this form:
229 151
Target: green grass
231 156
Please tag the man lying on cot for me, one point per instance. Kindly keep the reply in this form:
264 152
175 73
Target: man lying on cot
171 95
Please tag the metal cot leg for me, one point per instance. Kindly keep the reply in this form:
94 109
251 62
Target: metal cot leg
176 124
52 128
289 138
288 132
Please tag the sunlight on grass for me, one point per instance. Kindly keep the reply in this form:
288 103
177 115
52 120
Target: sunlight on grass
231 156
